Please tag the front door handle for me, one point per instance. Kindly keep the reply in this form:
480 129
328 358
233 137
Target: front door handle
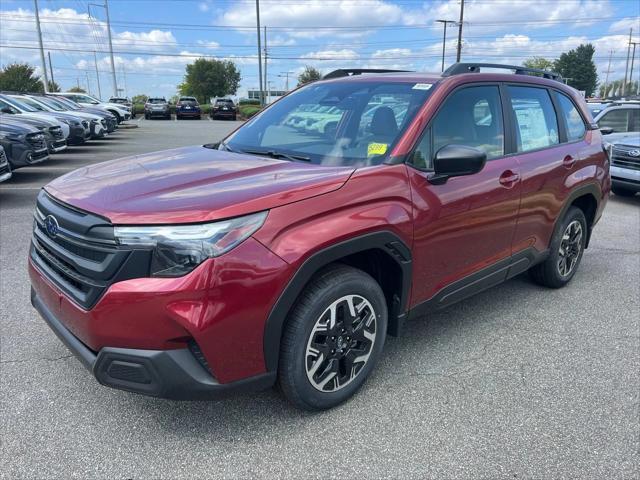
568 161
509 178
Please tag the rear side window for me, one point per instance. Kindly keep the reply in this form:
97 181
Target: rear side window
536 121
575 124
617 119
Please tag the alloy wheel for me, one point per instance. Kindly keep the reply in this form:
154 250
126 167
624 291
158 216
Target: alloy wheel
340 343
570 248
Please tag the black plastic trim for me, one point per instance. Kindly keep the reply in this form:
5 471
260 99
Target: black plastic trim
481 280
174 374
384 240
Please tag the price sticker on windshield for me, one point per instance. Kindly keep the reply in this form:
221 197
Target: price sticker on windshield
376 149
422 86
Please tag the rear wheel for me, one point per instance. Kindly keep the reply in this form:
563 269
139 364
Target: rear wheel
566 249
332 339
623 192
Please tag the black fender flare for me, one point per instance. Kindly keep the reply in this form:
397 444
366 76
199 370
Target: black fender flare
592 189
385 240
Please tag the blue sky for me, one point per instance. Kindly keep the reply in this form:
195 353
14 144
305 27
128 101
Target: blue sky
155 39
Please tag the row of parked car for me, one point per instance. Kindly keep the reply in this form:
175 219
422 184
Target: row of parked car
34 126
620 123
188 107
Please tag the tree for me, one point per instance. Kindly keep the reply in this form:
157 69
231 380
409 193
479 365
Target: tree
206 78
142 98
20 77
53 86
310 74
578 68
540 63
77 90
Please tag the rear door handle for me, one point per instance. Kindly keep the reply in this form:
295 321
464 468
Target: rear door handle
568 161
509 178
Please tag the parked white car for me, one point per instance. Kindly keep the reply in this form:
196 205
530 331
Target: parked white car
122 112
621 117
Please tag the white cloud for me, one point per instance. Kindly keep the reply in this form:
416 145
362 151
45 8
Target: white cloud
211 45
625 24
203 7
344 54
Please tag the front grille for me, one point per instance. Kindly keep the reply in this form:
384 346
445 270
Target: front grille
80 255
622 157
103 122
4 162
85 124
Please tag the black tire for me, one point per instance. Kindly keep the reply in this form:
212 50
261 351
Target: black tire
234 118
330 285
550 272
623 192
146 117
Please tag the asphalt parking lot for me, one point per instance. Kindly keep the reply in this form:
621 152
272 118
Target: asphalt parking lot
517 382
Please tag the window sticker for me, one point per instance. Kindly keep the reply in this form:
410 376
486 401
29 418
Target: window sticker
422 86
376 149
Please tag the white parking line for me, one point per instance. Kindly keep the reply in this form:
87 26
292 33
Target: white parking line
175 119
140 119
209 118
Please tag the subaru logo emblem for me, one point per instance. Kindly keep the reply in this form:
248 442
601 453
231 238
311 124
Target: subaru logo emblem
634 153
51 225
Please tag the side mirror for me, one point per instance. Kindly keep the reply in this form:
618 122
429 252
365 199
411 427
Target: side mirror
6 110
606 130
456 161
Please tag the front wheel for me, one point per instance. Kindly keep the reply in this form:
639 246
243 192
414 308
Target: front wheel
566 249
332 339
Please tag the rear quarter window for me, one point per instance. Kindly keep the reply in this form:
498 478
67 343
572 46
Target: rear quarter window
573 119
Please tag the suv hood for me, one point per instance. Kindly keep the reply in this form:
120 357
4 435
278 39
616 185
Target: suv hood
192 184
627 138
17 128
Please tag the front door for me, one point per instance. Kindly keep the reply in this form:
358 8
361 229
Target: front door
463 229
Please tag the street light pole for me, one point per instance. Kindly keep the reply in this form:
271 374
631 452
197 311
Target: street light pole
113 64
44 65
285 75
259 53
626 68
95 61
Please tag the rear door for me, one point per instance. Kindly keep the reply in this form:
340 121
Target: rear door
552 149
463 229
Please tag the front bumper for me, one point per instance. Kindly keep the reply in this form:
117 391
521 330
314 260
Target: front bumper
174 374
625 177
23 154
158 113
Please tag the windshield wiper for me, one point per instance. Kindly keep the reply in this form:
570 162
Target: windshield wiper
275 154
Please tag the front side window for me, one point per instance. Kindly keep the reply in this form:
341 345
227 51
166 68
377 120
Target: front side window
536 122
575 124
617 119
472 117
353 123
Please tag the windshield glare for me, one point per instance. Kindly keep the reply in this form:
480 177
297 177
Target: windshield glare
21 105
53 104
352 123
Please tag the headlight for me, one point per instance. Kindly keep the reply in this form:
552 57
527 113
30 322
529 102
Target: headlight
608 149
178 249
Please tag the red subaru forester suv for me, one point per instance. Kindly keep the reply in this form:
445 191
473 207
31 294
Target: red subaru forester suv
287 252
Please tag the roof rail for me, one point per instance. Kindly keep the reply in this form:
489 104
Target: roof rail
348 72
458 68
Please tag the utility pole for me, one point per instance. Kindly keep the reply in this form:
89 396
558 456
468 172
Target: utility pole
633 56
266 63
606 80
444 38
285 75
88 85
460 31
95 61
259 53
44 65
626 68
50 68
113 63
124 78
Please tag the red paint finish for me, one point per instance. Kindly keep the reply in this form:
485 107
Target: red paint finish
191 184
222 304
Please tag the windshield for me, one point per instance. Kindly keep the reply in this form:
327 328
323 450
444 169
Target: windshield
65 102
337 123
157 100
20 105
33 104
53 104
